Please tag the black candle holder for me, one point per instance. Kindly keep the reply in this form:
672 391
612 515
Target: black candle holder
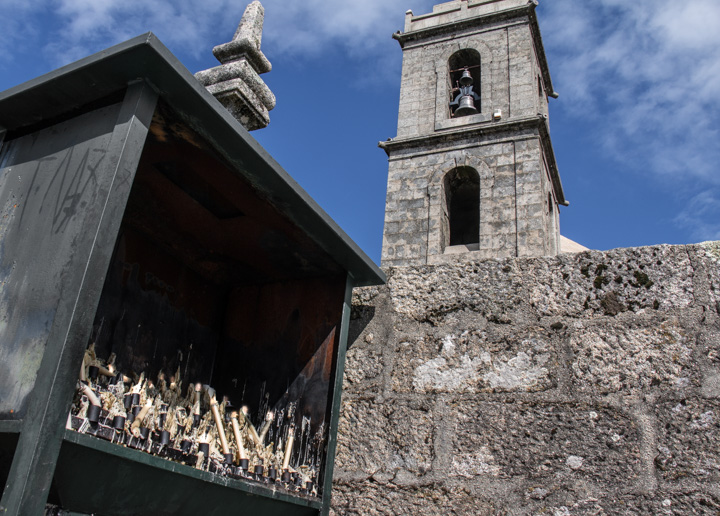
119 423
93 413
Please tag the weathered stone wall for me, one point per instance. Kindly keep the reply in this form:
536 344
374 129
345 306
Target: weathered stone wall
576 384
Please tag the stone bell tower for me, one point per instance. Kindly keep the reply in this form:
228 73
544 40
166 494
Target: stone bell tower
472 173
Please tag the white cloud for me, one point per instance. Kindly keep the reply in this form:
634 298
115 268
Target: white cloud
297 30
647 73
312 25
360 31
186 25
701 218
16 25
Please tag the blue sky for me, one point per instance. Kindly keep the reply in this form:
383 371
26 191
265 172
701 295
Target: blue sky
636 129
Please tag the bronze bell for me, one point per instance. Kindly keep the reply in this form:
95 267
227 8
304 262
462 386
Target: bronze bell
466 79
466 106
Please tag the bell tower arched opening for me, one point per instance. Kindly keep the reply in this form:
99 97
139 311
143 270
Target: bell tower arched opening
464 76
462 198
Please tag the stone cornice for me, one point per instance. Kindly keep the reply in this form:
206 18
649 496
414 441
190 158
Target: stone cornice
538 123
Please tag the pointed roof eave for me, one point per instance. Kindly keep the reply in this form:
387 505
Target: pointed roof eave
72 88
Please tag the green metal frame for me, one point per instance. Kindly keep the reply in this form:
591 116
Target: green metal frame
337 396
10 427
160 486
38 447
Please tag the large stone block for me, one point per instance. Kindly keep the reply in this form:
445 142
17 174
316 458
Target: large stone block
429 293
363 448
616 357
545 441
711 252
373 499
387 438
688 501
594 283
688 437
471 356
363 362
369 330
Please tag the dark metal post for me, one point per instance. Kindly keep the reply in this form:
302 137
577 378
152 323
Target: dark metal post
337 396
43 427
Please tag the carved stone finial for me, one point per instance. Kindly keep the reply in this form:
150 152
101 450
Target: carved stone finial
236 82
246 42
251 24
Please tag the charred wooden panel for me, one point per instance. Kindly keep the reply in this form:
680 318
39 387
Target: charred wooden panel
156 313
279 343
206 214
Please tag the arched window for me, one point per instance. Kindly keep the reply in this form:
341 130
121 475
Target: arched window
462 197
464 90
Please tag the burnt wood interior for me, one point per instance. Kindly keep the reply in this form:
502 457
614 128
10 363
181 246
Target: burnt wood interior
210 277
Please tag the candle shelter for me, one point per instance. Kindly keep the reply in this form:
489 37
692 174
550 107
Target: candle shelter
140 218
